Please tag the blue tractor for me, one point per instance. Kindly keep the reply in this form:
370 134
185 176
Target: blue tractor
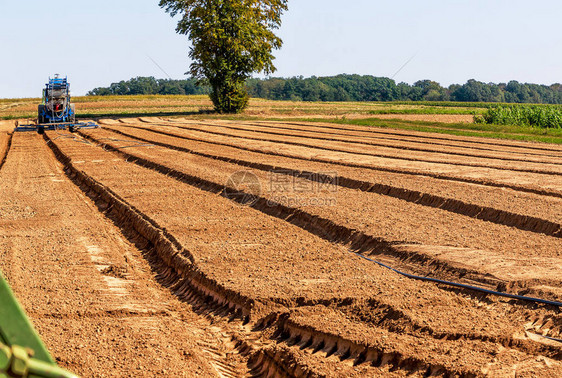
56 112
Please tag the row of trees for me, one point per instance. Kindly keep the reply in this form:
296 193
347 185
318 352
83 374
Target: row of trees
352 88
150 86
369 88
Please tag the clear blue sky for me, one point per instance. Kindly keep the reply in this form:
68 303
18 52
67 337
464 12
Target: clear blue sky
99 42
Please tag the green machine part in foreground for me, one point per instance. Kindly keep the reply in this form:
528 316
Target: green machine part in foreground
22 353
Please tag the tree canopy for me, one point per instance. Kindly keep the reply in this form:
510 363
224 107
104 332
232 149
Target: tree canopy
353 88
150 86
231 39
370 88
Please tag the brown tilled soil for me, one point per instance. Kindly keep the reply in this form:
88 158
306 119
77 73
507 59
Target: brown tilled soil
433 231
428 137
88 290
7 126
530 176
137 251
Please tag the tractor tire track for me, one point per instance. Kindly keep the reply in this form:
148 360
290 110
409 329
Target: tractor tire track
82 284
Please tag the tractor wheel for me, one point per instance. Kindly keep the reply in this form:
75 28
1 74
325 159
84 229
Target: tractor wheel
40 118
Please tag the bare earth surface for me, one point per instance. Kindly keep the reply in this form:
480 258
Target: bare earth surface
176 247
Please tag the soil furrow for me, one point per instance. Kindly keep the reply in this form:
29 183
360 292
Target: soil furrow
251 268
437 136
205 298
83 285
508 200
314 158
522 222
295 141
361 141
204 295
367 134
173 264
5 145
317 223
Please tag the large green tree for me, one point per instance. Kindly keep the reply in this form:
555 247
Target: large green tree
231 39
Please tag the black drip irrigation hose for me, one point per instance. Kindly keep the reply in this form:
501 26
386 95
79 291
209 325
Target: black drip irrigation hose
464 286
551 338
470 287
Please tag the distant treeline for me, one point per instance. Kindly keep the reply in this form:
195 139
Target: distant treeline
150 86
353 88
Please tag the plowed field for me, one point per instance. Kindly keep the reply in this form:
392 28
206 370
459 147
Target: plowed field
176 247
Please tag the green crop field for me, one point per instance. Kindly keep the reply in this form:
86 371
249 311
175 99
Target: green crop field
523 115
